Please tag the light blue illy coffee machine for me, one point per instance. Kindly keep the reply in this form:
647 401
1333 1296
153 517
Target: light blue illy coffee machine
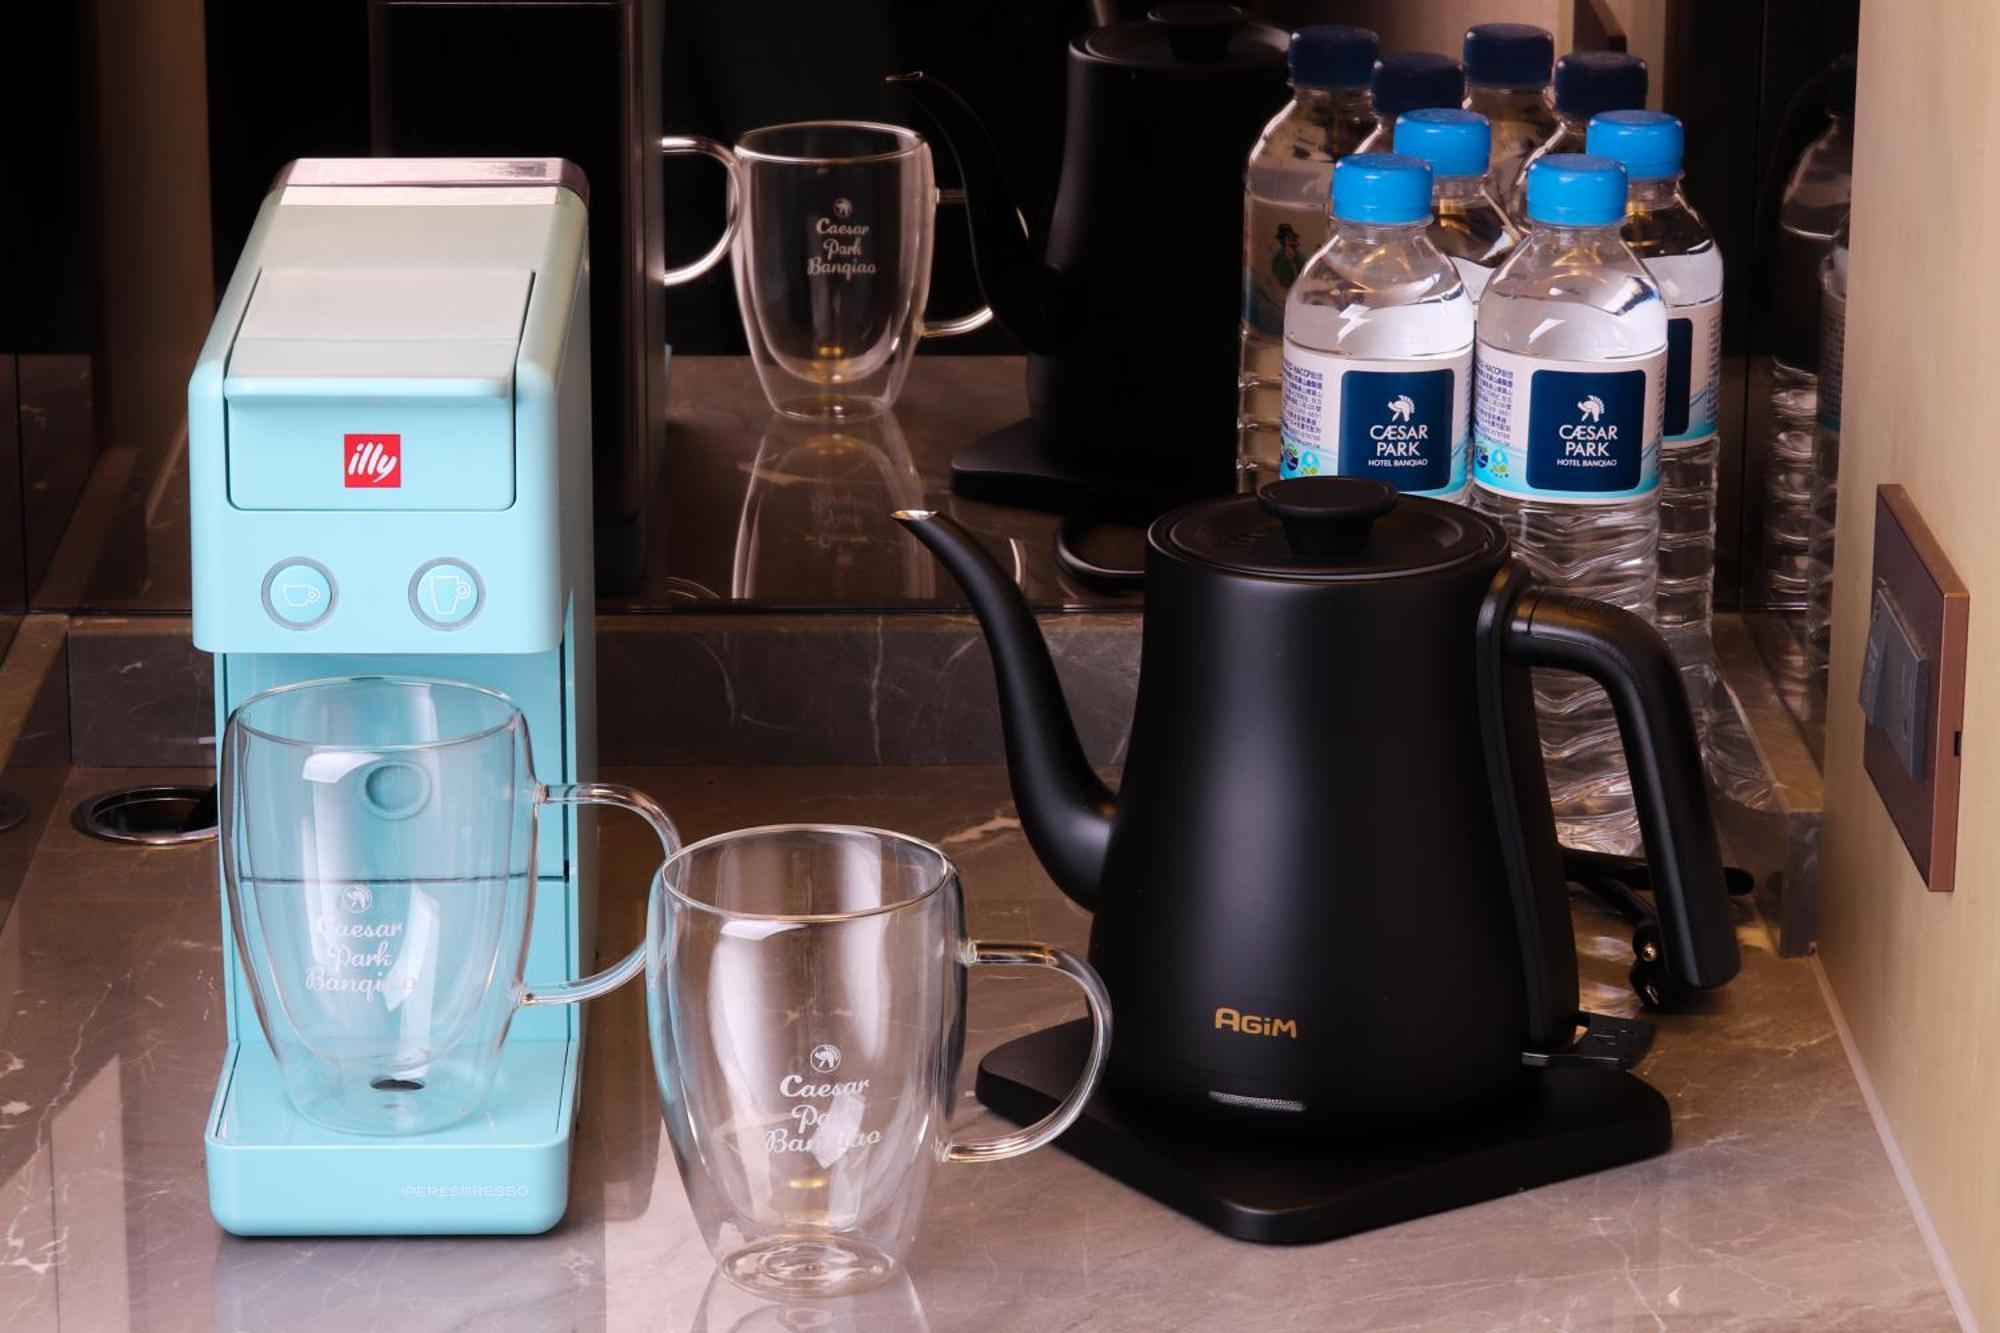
389 438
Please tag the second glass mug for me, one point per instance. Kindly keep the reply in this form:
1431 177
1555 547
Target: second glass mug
379 850
805 999
832 225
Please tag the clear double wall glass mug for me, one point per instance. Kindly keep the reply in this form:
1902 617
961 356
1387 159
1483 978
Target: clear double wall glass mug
834 222
378 844
805 996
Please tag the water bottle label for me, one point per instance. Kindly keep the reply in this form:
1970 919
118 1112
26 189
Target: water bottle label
1398 423
1575 432
1277 242
1694 371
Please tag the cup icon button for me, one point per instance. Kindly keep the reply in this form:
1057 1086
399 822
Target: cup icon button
298 593
446 594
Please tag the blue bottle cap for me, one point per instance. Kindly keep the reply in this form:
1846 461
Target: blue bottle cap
1588 82
1454 142
1407 80
1575 190
1383 187
1333 55
1509 55
1840 86
1648 143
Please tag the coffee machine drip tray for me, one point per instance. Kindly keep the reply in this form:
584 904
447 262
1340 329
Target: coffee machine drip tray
1296 1191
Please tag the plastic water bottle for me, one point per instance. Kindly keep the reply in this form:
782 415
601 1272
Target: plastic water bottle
1409 81
1587 83
1678 249
1826 456
1567 417
1378 340
1466 223
1814 205
1285 217
1507 81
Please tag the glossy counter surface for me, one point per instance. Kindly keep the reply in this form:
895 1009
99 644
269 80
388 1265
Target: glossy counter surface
1777 1207
750 509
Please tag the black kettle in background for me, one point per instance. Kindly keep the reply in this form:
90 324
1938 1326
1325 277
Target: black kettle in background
1129 310
1328 893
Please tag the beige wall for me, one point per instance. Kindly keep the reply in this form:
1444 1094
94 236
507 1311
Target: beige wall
1918 974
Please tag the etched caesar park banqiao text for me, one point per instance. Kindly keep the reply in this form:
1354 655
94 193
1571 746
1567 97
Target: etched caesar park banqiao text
841 245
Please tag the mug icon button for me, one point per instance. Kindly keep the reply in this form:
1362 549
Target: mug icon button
298 593
446 594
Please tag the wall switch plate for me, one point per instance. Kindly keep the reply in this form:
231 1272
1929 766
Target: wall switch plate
1896 681
1913 684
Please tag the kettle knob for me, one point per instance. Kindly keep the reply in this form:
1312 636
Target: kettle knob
1327 517
1198 32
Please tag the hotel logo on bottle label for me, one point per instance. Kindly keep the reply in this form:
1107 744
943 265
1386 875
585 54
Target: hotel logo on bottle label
1573 432
1399 425
372 461
1586 430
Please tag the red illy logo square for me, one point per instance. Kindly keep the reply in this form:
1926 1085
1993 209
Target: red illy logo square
373 460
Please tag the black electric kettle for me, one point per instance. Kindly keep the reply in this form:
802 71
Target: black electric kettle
1129 311
1329 888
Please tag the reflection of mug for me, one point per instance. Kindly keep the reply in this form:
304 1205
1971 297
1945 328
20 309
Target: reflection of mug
448 592
816 527
298 595
833 260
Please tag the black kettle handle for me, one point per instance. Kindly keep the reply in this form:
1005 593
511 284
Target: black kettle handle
1629 659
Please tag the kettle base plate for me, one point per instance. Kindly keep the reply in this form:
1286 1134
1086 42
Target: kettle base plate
1299 1190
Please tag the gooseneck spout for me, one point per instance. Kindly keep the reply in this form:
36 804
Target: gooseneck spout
1065 810
1021 289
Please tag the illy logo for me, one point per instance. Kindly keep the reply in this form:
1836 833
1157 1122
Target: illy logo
372 460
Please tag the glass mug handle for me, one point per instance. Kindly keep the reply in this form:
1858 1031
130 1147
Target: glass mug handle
695 145
978 319
993 953
642 805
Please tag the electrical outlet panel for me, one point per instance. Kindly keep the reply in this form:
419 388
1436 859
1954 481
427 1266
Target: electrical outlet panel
1913 684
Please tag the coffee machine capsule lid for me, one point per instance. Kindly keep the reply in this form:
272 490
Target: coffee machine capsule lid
1330 529
1192 38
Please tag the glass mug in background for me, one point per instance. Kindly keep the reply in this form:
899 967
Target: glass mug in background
379 848
805 997
833 225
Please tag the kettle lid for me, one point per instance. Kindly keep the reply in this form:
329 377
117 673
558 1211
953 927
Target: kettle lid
1191 38
1330 529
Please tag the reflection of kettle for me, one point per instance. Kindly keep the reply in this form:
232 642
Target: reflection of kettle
815 527
1329 888
1130 313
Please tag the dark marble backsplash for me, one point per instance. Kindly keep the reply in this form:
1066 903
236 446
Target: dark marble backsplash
690 688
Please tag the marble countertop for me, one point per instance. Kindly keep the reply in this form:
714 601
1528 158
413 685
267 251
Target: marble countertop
1776 1209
